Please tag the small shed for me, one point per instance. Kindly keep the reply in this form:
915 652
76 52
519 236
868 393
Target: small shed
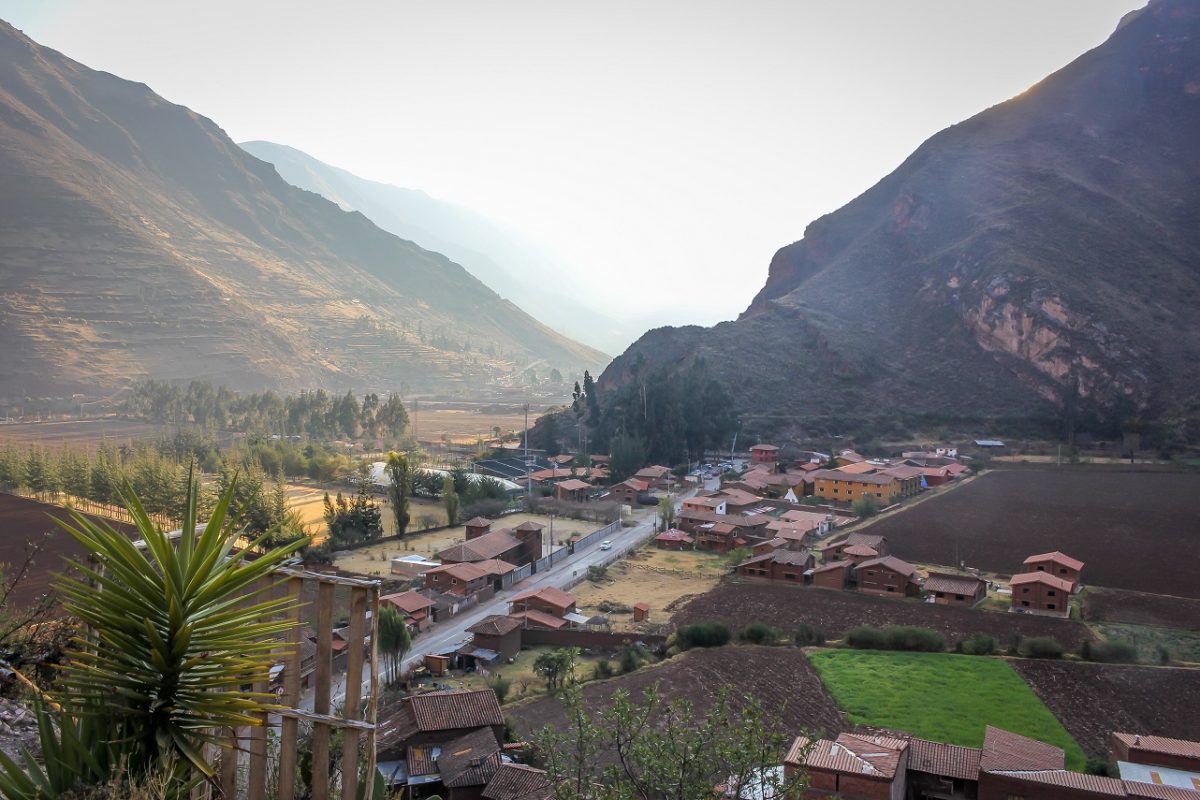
641 612
438 664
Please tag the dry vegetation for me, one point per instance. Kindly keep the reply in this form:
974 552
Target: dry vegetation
660 578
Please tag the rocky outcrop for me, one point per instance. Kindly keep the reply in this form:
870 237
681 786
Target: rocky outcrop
1044 251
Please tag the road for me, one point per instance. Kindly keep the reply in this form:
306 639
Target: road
454 630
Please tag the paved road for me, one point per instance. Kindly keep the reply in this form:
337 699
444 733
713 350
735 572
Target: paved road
453 631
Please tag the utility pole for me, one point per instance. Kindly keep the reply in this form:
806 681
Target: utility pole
527 454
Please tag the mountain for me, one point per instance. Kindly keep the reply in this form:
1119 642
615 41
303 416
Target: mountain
1039 260
499 258
136 239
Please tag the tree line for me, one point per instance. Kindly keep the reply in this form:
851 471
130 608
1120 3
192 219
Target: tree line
313 414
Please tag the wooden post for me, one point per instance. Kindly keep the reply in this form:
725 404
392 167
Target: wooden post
354 670
373 697
289 726
321 697
229 764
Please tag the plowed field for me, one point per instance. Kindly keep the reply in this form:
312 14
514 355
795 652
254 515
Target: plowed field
23 520
1137 608
781 678
833 612
1091 700
1129 527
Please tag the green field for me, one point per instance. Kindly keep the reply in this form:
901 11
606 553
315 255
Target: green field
940 696
1182 645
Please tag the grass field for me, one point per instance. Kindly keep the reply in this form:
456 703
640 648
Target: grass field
940 696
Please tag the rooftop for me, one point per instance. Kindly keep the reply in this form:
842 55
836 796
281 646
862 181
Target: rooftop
495 625
1004 750
947 760
481 548
518 782
1058 558
1041 577
1160 744
890 562
549 594
952 584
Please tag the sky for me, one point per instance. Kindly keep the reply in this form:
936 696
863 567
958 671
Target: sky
664 150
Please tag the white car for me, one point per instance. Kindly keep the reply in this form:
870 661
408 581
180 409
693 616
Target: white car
606 545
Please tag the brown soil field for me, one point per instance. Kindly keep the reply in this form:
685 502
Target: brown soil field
1129 527
82 434
784 682
23 520
1139 608
834 612
1092 700
463 425
659 578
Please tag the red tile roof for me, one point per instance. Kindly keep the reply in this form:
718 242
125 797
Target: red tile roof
831 566
1093 784
518 782
408 602
1058 558
477 522
869 756
947 760
952 584
1041 577
1004 750
551 595
1160 744
443 711
653 472
495 625
632 483
766 447
861 550
834 475
490 545
890 562
674 535
573 485
871 540
530 525
1152 791
469 760
538 619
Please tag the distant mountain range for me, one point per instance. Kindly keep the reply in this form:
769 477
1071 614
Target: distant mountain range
1041 259
136 239
515 268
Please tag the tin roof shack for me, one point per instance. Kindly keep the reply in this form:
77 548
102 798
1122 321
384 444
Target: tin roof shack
955 590
1059 565
851 767
1040 593
887 576
498 633
1155 750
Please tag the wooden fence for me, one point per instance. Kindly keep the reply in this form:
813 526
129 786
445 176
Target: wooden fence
85 506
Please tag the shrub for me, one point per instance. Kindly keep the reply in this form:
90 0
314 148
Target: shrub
631 658
980 644
864 637
907 637
488 507
1162 655
501 686
1041 647
702 634
1109 652
808 636
758 633
865 507
603 669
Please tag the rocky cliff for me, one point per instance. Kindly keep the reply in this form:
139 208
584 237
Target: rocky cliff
1044 253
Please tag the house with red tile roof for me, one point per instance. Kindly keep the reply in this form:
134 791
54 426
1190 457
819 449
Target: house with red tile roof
1060 565
573 490
832 575
547 599
1155 751
887 576
418 610
853 766
465 579
858 553
655 476
674 539
1040 593
628 491
777 565
518 782
498 633
955 590
764 454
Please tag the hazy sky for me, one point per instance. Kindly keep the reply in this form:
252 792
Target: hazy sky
666 149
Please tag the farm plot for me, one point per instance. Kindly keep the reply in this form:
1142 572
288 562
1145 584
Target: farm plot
1129 527
1092 700
784 682
834 613
939 696
87 434
23 520
1139 608
662 579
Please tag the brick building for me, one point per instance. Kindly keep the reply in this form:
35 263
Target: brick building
764 454
500 634
1057 564
628 491
833 575
955 590
851 767
418 610
548 600
1040 593
777 565
464 579
887 576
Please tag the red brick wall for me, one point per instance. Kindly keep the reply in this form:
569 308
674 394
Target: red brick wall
951 599
833 579
858 788
1057 570
885 582
507 645
1039 598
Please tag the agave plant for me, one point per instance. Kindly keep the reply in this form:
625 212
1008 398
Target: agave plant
176 630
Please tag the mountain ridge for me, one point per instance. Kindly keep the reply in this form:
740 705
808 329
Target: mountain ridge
139 240
1038 259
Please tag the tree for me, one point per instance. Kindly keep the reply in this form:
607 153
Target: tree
655 749
666 512
450 500
353 521
865 506
400 473
627 456
394 639
557 667
177 632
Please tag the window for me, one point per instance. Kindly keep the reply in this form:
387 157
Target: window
1050 606
958 597
891 588
1062 572
1050 593
1025 590
943 594
1025 603
790 576
1041 568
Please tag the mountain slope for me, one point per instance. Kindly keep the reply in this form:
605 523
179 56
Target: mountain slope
1039 258
498 258
137 239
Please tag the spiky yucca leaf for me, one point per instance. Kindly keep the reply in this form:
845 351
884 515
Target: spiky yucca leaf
177 629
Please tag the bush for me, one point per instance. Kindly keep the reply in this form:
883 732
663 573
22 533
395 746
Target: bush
896 637
758 633
1109 652
702 634
631 659
501 686
864 637
980 644
1041 647
808 636
603 669
488 507
865 507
